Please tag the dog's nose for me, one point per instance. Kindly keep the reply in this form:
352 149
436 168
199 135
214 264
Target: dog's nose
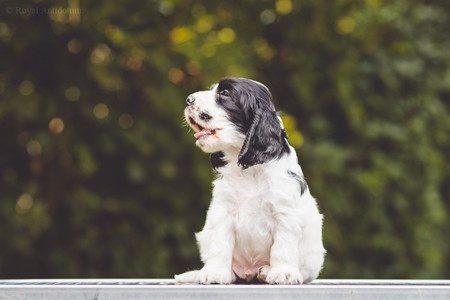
190 100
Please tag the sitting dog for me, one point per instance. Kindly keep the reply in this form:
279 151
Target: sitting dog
262 223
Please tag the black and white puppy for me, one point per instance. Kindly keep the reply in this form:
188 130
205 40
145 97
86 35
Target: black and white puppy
262 223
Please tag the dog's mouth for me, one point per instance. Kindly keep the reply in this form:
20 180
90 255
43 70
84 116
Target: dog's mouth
201 131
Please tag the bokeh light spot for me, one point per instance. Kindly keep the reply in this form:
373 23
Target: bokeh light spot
26 88
101 111
34 148
72 93
24 203
74 46
126 121
267 16
373 3
346 25
263 49
56 125
176 75
204 24
283 7
296 138
193 67
226 35
166 8
100 54
180 35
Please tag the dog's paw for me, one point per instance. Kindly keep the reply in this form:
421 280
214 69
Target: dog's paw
188 277
210 275
261 275
280 275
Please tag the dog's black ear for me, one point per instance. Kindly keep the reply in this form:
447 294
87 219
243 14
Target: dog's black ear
217 160
265 140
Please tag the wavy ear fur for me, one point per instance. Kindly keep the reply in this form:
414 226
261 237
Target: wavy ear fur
265 140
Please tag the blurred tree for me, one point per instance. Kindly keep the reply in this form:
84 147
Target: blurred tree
100 179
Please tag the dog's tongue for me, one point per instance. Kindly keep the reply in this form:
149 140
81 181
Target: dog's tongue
204 132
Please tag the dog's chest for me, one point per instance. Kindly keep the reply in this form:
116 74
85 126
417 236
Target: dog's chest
249 202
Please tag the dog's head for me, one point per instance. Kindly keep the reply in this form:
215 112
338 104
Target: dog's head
237 114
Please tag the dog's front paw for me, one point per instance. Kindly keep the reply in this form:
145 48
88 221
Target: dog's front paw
280 275
210 275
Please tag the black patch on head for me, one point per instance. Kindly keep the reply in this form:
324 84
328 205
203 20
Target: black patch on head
249 106
229 94
217 160
301 180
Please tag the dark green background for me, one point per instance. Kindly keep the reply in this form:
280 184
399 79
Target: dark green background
100 178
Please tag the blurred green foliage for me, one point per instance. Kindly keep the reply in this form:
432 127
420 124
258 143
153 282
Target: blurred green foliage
99 178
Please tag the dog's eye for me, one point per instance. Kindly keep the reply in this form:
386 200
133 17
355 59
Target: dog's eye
225 93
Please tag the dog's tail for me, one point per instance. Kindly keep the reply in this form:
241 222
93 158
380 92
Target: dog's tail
188 277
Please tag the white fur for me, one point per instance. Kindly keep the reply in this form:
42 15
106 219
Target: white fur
258 222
